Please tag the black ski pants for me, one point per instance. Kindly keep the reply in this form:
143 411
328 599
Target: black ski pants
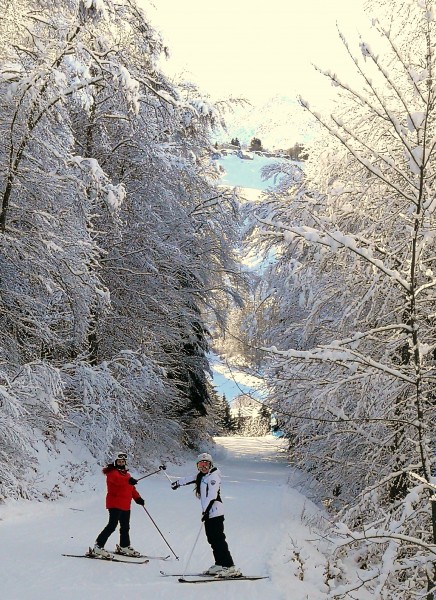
116 516
216 537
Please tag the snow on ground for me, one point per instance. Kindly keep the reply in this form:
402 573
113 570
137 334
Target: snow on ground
268 526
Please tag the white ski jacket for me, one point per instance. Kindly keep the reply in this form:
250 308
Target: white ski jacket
209 492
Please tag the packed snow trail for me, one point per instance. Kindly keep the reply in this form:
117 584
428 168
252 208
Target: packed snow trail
262 524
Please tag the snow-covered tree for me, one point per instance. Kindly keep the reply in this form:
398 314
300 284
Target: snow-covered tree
115 244
349 292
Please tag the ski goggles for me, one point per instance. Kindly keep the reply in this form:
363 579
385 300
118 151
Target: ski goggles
203 463
121 456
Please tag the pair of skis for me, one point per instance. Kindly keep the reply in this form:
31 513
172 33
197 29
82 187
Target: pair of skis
144 559
116 557
202 578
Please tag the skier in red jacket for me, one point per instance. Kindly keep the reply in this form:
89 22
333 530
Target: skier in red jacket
120 493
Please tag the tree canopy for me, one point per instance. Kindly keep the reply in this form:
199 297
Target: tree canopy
116 246
346 306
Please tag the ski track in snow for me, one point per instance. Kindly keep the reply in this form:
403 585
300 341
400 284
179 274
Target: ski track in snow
265 520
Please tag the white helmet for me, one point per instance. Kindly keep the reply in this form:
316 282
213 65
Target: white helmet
205 456
120 456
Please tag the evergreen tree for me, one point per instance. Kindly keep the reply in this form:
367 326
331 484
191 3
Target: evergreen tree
297 152
255 145
228 421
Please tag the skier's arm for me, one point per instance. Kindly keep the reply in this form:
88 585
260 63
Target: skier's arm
135 494
183 481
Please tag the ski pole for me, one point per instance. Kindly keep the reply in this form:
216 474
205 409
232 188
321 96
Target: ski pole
161 468
192 551
166 475
161 534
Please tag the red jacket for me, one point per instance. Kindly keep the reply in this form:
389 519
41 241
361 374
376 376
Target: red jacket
119 492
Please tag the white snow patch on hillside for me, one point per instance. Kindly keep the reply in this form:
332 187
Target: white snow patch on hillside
247 173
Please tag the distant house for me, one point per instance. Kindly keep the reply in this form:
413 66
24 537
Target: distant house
229 147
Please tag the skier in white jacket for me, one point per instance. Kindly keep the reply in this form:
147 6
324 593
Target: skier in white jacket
207 488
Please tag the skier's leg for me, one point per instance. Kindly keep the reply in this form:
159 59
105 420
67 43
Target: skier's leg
216 537
209 530
124 528
103 537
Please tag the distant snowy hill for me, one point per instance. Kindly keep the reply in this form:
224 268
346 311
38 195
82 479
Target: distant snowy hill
244 173
232 382
279 123
245 406
238 172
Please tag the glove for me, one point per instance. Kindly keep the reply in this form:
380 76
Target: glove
205 517
132 481
163 468
140 501
175 485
